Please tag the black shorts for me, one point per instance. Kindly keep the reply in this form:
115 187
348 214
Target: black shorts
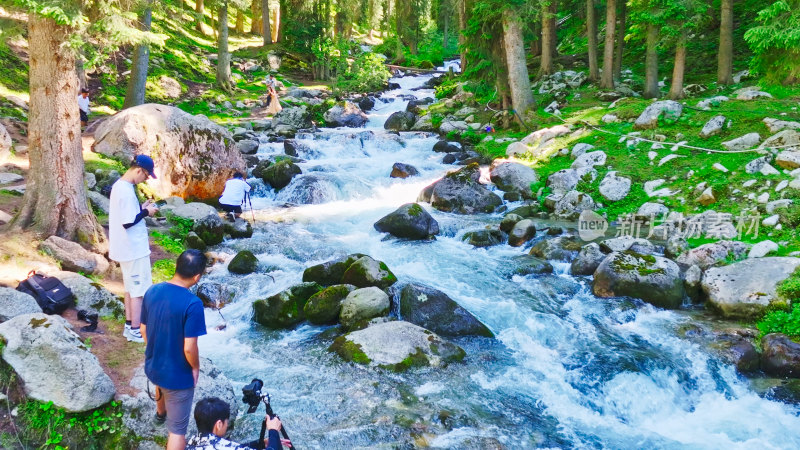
84 116
230 208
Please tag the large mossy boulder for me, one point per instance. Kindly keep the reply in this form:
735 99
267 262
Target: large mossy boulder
409 221
397 346
434 310
280 174
562 248
330 272
323 308
484 238
193 155
286 308
588 260
239 229
513 177
243 263
210 229
53 363
654 279
364 304
367 272
14 303
530 265
746 289
91 295
400 121
460 192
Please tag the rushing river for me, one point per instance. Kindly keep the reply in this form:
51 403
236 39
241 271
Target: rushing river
567 370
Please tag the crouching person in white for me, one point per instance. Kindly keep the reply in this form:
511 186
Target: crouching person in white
128 241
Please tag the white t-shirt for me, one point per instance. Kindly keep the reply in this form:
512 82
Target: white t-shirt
130 244
83 104
235 190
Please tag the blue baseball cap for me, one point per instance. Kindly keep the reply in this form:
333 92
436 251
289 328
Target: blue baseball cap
146 163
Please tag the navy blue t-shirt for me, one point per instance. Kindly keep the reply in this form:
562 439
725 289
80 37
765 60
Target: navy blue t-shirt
171 313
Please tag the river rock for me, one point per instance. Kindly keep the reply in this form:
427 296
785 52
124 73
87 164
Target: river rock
366 272
193 211
247 146
561 248
788 160
535 142
445 147
239 229
296 118
654 279
193 155
91 295
347 115
614 188
99 201
523 231
530 265
215 295
396 345
364 304
210 229
623 243
572 204
588 259
139 411
713 127
243 263
323 308
14 303
400 170
73 257
691 282
330 272
53 364
714 253
409 221
738 351
193 241
484 238
400 121
780 356
293 147
280 174
649 118
366 103
580 149
762 249
449 126
588 160
286 308
784 140
513 177
745 289
424 123
434 310
566 180
745 142
508 222
776 125
459 192
260 167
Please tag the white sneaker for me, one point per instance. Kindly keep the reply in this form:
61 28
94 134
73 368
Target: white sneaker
134 335
126 330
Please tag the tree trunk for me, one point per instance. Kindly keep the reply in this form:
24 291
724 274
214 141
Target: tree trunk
621 29
548 38
651 63
607 79
725 58
518 81
239 21
265 18
281 22
678 71
254 6
591 31
55 200
445 34
464 11
134 95
223 57
199 10
400 56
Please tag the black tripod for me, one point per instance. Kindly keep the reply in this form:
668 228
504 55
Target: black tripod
270 414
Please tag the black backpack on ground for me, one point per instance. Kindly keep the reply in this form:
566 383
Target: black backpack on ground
50 293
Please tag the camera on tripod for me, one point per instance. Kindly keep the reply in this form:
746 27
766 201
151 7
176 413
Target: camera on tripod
252 396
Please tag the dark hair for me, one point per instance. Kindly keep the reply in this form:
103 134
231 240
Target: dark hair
238 175
190 263
208 411
84 91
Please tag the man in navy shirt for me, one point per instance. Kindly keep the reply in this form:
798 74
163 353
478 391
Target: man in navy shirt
172 320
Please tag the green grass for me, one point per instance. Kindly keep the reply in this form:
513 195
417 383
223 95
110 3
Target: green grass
163 270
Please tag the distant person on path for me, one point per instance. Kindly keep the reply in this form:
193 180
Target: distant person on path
273 103
128 240
172 320
83 106
234 195
213 417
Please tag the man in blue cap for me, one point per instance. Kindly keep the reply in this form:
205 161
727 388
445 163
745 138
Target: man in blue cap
128 240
